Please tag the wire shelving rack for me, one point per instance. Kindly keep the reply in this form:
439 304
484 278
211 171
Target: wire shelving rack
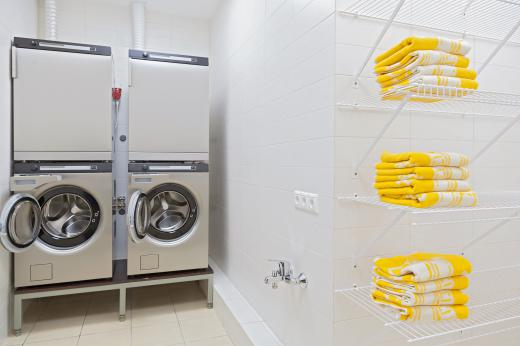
480 316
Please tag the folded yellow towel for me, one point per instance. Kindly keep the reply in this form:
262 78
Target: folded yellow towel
434 199
421 159
430 70
426 313
435 81
423 58
411 44
452 283
422 173
421 267
446 297
411 187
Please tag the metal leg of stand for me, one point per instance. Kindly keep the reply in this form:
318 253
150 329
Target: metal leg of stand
210 293
122 304
17 315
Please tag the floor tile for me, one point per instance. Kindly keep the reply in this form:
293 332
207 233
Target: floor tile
198 329
56 342
57 322
218 341
152 310
114 338
103 316
193 310
30 316
157 335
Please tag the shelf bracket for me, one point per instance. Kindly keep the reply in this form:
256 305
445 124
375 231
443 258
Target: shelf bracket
379 236
495 139
378 41
380 134
499 47
488 232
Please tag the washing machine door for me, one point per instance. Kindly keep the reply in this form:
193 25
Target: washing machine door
138 216
174 211
20 222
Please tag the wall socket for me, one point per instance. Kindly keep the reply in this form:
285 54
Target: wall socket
306 201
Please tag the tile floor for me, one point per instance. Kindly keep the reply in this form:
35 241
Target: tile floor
168 315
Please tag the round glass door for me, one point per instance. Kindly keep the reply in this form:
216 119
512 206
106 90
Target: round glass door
138 216
20 220
70 216
173 212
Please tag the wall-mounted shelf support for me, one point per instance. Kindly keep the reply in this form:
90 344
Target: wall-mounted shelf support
381 133
499 47
378 41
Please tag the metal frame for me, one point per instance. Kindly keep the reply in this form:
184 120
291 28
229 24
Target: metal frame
18 298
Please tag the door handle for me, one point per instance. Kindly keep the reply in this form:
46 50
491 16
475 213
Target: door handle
30 182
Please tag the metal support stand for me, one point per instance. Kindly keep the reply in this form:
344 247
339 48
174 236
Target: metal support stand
120 281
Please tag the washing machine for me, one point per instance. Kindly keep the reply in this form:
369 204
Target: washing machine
167 216
62 102
169 103
58 222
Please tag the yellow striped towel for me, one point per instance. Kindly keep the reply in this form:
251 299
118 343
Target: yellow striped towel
412 44
430 70
423 58
421 159
425 313
446 297
442 81
434 199
421 267
452 283
422 173
410 187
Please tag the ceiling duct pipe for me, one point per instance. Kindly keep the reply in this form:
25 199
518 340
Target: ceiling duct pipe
50 19
139 21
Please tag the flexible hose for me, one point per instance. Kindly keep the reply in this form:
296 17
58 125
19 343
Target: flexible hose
139 20
50 19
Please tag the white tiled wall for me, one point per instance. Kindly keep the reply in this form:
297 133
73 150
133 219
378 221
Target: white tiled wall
105 23
17 17
355 225
272 126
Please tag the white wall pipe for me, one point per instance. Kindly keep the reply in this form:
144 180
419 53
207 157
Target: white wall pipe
50 19
139 23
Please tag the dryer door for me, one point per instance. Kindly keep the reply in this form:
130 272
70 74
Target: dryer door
20 222
174 211
138 216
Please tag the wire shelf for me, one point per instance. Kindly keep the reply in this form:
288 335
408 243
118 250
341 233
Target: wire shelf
452 100
491 204
492 19
480 316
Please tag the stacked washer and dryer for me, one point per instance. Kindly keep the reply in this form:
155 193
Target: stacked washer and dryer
58 221
168 189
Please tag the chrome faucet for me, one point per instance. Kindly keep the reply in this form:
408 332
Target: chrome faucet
284 273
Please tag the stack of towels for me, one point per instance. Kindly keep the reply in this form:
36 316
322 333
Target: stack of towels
422 286
427 61
424 179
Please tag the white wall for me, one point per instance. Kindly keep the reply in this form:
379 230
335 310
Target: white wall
99 22
17 18
272 133
354 225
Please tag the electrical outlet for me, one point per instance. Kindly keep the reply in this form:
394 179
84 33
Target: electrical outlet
306 201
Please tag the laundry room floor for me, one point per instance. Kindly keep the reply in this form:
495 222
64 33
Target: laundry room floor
168 315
